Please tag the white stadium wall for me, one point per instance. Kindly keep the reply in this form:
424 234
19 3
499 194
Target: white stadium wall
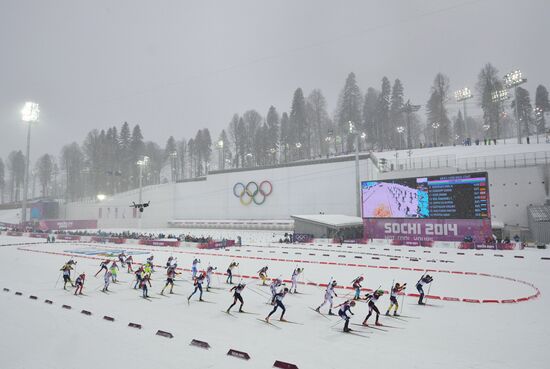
305 189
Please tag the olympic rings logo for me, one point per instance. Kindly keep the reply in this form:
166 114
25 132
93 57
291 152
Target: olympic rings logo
252 192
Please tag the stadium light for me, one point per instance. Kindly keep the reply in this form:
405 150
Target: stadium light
101 197
221 155
463 95
353 131
29 114
499 95
435 126
400 130
173 164
141 163
409 108
513 80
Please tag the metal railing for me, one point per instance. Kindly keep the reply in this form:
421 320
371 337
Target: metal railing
517 160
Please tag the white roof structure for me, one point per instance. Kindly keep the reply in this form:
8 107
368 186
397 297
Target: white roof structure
331 220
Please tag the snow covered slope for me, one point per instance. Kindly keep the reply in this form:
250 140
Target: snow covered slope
446 334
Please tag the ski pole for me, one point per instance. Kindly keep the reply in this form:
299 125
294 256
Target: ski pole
391 290
335 324
256 292
58 279
429 287
402 303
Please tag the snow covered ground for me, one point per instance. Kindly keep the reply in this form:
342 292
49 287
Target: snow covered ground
460 151
443 334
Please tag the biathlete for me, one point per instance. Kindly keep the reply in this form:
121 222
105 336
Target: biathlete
171 262
277 301
424 280
129 260
143 285
199 279
276 283
79 284
262 273
329 296
343 313
356 284
139 276
294 279
170 276
121 257
230 268
150 263
114 271
107 280
66 269
209 272
194 267
393 298
237 290
103 266
372 299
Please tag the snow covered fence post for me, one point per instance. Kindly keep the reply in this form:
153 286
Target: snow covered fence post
201 344
238 354
164 334
283 365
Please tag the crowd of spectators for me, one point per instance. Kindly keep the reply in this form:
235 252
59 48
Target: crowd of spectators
124 234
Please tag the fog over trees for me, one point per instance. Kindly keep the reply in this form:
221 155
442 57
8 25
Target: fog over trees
105 160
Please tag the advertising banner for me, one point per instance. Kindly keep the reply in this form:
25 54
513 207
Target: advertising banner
14 233
38 235
173 243
422 230
68 237
67 224
116 240
216 244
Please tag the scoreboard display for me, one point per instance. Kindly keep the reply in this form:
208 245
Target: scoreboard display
457 196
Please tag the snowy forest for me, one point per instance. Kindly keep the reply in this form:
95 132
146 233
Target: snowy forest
379 117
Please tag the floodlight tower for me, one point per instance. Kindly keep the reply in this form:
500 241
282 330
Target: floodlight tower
141 163
355 132
400 130
29 115
221 155
499 96
174 165
435 126
463 95
513 80
408 108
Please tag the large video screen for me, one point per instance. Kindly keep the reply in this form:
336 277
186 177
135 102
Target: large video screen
459 196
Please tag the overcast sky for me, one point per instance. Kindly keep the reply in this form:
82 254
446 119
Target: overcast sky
177 66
